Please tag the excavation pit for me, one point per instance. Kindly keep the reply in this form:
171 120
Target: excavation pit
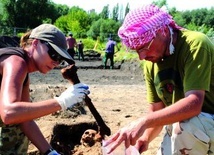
65 139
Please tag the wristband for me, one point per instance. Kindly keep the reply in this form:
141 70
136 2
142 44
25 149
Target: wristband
48 151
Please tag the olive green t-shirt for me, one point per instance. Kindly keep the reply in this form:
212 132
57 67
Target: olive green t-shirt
191 67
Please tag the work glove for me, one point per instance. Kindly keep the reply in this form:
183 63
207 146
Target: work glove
51 152
73 95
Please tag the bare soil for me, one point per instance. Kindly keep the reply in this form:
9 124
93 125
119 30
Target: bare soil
118 95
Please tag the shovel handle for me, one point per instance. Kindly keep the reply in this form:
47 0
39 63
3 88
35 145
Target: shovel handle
70 73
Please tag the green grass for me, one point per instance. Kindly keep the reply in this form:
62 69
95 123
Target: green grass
121 53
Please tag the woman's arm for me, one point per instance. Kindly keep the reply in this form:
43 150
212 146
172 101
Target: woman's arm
12 109
34 134
30 128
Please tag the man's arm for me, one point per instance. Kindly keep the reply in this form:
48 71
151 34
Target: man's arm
183 109
142 143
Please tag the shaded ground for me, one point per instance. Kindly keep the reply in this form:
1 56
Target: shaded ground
118 95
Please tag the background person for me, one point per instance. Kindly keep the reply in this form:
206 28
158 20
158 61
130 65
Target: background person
80 47
109 53
41 50
71 43
179 75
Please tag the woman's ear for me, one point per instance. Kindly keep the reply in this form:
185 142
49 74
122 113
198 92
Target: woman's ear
35 42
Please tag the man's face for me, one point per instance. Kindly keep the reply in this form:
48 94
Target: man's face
156 49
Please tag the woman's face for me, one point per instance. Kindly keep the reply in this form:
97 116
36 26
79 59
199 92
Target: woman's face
42 58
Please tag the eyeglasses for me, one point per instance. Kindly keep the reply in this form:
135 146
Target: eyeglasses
144 49
52 53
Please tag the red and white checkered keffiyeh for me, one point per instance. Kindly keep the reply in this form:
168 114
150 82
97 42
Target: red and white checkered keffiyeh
140 25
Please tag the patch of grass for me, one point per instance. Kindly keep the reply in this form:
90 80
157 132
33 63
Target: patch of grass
121 53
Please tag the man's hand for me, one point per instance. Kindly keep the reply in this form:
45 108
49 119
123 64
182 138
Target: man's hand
142 145
129 134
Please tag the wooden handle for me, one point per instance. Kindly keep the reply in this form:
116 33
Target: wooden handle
70 73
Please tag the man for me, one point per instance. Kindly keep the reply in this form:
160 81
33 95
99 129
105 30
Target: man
179 75
109 53
71 43
80 47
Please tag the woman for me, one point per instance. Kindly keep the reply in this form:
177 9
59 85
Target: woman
41 50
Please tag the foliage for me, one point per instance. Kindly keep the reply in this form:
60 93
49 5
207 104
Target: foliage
198 20
105 12
125 55
203 28
121 54
127 9
109 28
115 13
199 17
61 23
24 14
27 14
94 30
160 3
104 29
61 9
88 43
76 21
179 19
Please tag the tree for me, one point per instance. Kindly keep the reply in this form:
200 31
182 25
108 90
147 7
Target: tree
30 13
115 12
104 28
209 18
94 31
77 21
121 14
93 16
199 17
105 12
109 28
127 9
61 9
179 19
161 3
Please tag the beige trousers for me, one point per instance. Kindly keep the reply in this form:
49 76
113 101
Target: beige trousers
194 136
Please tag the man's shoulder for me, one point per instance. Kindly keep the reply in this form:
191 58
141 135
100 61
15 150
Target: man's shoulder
195 38
71 39
193 34
111 43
